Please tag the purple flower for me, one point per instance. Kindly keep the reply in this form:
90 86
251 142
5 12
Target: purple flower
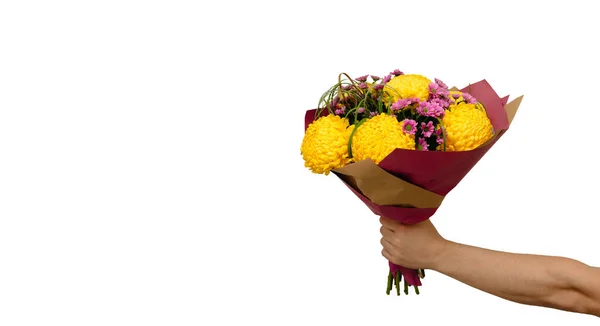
363 86
362 79
423 144
430 109
456 96
396 72
441 83
404 103
375 78
396 106
373 114
443 102
413 100
409 126
340 109
437 90
440 136
427 129
378 86
469 98
386 79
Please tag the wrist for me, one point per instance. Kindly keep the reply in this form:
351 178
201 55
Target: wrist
442 255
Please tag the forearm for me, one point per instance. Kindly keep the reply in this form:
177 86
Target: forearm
554 282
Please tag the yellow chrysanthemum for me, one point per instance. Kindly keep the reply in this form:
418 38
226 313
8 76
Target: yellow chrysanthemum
407 86
325 144
467 127
377 137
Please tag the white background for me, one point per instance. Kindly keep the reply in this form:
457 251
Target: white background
150 171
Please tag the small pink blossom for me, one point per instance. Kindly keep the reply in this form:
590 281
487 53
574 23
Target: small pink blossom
441 83
439 136
363 86
399 105
409 126
430 109
423 144
375 78
469 98
437 90
427 129
378 86
396 72
373 114
362 78
386 79
347 87
360 110
404 103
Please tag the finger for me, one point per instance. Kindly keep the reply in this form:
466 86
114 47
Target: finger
387 245
386 233
390 224
386 254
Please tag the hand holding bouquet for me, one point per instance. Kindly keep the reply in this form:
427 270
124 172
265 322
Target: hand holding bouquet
402 142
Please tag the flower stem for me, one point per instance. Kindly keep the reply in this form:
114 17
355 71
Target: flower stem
398 277
443 132
352 135
389 283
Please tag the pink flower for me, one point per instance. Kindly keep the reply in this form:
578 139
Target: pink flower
427 129
442 102
341 109
440 136
409 126
430 109
437 90
386 79
347 87
433 87
404 103
441 83
423 144
469 98
396 72
363 86
373 114
362 79
360 110
456 96
378 87
375 78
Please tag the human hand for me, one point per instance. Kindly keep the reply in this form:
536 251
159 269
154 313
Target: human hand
415 246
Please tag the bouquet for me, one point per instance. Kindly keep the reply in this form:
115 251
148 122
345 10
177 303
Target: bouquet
402 142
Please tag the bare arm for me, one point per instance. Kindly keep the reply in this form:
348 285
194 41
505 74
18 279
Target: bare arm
546 281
